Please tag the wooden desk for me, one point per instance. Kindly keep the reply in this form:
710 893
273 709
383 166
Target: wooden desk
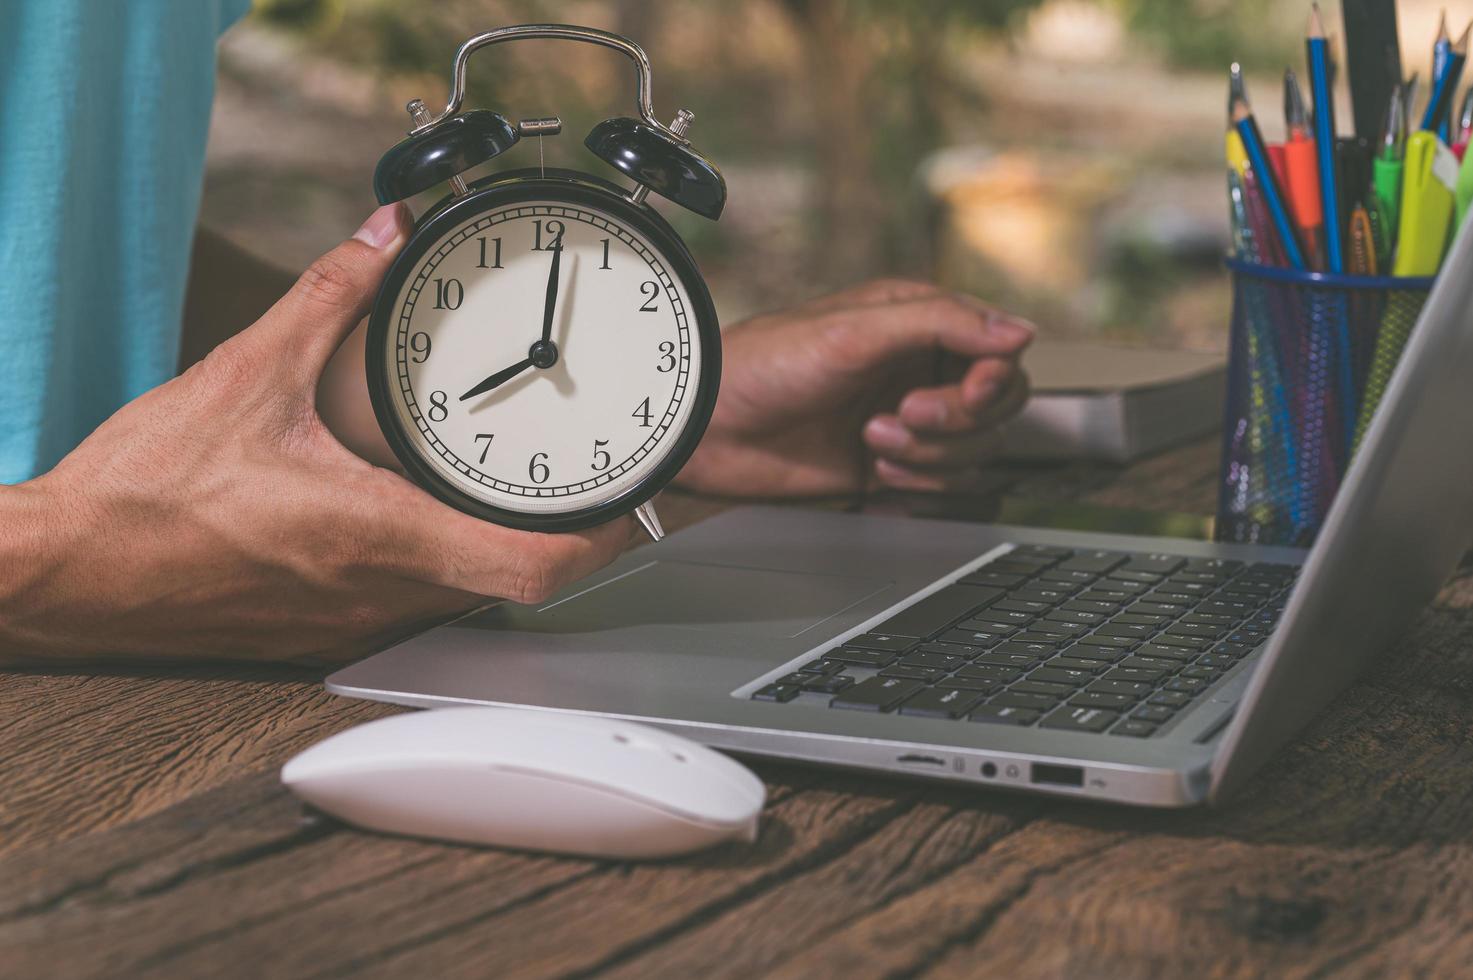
145 834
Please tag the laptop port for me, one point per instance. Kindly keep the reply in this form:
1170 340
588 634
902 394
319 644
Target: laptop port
924 760
1058 775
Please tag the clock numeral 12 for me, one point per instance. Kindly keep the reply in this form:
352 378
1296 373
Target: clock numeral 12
643 413
486 448
601 457
497 254
555 228
538 471
449 294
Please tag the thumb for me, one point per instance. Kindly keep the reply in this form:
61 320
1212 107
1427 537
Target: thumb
318 312
945 321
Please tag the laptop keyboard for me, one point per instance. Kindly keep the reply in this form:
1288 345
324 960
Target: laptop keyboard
1083 641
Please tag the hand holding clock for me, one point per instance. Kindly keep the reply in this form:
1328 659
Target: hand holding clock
216 517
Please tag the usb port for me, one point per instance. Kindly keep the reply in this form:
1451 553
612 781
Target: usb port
1058 775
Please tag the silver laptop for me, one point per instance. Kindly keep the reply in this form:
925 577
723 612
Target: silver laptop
1141 670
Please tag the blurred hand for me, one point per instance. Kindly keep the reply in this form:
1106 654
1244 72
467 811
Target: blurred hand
846 393
216 517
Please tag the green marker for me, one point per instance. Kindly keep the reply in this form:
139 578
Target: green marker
1463 190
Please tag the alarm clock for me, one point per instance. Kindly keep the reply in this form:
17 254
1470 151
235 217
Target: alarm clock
544 352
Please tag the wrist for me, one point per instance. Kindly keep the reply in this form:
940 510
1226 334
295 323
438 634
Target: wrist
35 542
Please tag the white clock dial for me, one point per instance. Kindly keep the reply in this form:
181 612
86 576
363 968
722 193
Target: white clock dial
546 440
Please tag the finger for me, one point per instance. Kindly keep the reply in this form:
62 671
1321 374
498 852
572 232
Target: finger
871 293
991 392
888 438
312 319
900 477
872 335
432 542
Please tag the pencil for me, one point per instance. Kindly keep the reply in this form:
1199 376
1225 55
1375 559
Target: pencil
1272 196
1324 137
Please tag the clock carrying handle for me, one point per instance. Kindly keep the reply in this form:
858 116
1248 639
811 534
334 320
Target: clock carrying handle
555 32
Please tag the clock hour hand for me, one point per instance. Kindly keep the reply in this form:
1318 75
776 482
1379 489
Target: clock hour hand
498 379
551 303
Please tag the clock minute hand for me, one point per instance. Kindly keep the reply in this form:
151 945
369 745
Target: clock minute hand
498 379
551 303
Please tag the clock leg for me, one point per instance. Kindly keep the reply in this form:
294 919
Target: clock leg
651 521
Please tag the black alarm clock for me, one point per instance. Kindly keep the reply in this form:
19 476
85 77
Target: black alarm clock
544 352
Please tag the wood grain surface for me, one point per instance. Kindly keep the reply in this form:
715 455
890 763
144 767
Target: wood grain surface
144 834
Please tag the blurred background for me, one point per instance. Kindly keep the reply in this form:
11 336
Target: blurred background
1060 157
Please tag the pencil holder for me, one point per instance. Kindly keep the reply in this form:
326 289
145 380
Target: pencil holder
1310 356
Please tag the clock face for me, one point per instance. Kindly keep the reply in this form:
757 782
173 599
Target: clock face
542 357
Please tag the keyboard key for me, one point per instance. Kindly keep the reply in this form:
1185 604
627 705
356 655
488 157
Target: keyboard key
1102 699
1227 566
1031 686
881 641
1179 655
927 674
979 626
939 610
1159 608
977 638
1118 642
1083 606
1019 605
827 684
1098 594
1006 660
1049 551
1098 562
1033 702
1209 619
1019 567
994 615
1207 674
1027 649
1145 578
964 650
1004 715
999 580
1069 626
1226 607
937 703
1154 713
1034 635
1059 675
1066 575
991 672
1134 727
1151 663
978 684
1180 642
1113 584
1141 619
1234 650
1195 630
1080 719
1079 663
865 658
940 661
876 694
1038 593
798 678
1187 685
1115 628
1216 660
822 666
1159 564
778 692
1084 651
1135 675
1108 686
1169 699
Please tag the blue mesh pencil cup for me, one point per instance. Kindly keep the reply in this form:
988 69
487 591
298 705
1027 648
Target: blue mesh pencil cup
1310 355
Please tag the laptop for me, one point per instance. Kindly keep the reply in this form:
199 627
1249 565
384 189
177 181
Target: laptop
1141 670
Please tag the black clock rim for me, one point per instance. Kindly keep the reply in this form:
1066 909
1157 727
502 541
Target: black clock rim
499 191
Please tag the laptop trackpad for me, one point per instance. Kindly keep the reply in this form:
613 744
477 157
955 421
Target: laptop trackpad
756 602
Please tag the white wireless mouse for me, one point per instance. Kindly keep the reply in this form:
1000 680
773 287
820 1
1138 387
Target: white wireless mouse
531 780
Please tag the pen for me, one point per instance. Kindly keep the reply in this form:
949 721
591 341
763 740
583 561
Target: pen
1445 83
1463 191
1362 244
1465 124
1324 137
1386 177
1300 177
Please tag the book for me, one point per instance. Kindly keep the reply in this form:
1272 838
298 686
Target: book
1115 404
